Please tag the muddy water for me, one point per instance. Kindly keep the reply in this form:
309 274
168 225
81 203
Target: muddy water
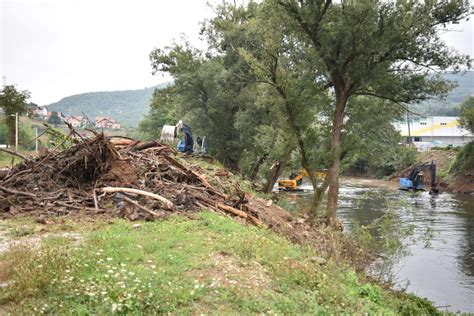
440 262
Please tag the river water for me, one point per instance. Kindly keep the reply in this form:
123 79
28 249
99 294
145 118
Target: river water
439 264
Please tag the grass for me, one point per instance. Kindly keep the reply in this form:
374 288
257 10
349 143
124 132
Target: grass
6 160
209 264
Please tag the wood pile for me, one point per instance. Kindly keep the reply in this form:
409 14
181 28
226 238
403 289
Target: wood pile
121 177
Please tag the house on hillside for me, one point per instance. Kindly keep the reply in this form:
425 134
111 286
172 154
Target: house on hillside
434 131
106 123
76 121
36 111
41 112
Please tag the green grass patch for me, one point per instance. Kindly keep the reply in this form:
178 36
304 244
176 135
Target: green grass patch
210 264
7 160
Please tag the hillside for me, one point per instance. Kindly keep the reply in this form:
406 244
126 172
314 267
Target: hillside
450 106
128 106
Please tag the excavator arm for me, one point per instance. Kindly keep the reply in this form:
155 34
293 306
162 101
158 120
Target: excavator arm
295 180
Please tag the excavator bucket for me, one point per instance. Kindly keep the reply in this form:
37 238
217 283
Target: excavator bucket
168 133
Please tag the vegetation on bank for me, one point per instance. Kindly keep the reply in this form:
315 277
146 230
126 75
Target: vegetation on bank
278 86
464 160
204 264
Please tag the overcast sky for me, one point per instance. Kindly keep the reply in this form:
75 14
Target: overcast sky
56 48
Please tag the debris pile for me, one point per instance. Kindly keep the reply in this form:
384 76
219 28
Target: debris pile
146 180
135 180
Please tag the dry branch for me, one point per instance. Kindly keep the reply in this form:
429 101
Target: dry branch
129 200
11 191
14 153
168 203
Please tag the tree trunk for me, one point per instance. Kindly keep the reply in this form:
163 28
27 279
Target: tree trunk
10 122
256 167
318 196
276 171
333 175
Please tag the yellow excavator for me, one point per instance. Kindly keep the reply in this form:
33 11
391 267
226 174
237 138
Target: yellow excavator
296 179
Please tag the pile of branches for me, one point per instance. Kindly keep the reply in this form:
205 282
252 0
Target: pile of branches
116 176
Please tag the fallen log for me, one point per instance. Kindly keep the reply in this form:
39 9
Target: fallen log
14 153
230 209
129 200
142 146
168 203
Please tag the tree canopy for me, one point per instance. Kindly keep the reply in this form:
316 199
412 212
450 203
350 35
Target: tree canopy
12 101
308 83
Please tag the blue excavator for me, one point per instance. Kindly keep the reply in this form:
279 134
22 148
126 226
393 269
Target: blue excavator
186 143
415 179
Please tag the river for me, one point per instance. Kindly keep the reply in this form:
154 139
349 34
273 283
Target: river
439 264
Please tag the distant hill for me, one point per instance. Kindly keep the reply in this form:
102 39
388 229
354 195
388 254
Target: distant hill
450 106
128 107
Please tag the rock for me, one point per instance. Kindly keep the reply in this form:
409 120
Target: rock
319 260
136 226
41 220
269 203
300 220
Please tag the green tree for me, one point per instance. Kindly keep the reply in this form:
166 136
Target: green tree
163 108
12 101
466 117
383 49
253 39
205 97
54 118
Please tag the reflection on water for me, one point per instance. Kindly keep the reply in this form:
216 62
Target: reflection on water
444 271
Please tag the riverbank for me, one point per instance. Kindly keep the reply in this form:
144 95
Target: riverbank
426 243
203 263
212 244
461 182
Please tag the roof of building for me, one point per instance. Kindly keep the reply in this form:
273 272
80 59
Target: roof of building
433 126
79 118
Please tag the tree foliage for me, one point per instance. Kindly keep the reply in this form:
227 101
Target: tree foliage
54 118
388 50
13 102
467 114
308 83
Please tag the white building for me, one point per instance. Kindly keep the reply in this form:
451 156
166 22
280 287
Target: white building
435 131
42 112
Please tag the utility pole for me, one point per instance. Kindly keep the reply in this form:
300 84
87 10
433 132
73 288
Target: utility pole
16 131
408 123
36 136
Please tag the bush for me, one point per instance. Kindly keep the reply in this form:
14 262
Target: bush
464 160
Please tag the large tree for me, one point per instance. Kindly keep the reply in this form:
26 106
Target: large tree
13 102
256 36
205 97
386 49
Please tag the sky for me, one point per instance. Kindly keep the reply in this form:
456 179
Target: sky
57 48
